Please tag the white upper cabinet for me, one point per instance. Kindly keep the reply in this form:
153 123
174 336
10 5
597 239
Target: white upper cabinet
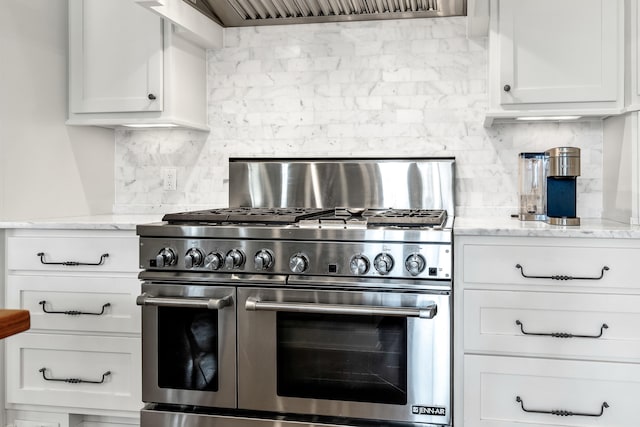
130 67
556 57
117 65
632 75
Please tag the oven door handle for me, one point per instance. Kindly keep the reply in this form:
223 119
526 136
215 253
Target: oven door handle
208 303
427 312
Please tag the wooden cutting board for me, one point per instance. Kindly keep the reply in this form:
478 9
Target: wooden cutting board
13 321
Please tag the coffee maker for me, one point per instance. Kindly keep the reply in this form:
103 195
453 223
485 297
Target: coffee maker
548 186
563 169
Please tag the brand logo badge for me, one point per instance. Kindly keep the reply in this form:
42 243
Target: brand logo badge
428 410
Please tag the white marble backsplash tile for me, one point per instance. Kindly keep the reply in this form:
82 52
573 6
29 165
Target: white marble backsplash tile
405 88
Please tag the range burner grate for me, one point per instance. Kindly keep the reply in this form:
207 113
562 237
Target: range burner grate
247 215
405 217
310 216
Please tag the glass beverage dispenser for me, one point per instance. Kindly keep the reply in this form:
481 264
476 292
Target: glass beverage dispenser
532 177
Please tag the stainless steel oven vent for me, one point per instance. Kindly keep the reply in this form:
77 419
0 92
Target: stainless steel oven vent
237 13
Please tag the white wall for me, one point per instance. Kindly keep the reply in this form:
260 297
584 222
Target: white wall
46 168
414 87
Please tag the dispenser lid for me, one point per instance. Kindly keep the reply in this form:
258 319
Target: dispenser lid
530 155
563 152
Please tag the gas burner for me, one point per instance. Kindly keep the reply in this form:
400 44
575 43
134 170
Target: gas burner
405 217
394 217
246 215
313 217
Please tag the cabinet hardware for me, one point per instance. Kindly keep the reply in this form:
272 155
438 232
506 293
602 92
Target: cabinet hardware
71 263
561 412
73 312
562 277
561 334
73 380
507 88
151 96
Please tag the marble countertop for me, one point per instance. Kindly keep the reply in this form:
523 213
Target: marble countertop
589 228
92 222
463 226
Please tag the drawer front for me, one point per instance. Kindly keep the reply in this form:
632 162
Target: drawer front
65 357
493 384
80 304
78 252
107 424
540 323
555 264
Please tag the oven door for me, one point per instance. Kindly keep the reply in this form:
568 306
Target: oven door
355 354
189 345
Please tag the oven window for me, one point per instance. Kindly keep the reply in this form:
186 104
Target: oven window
342 357
188 348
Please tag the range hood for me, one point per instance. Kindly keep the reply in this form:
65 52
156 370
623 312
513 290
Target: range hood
242 13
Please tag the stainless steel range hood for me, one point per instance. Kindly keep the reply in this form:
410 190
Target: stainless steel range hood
241 13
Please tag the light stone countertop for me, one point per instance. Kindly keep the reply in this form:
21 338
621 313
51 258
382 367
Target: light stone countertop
92 222
463 226
589 228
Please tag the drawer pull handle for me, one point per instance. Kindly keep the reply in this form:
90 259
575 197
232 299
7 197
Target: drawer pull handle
73 312
561 334
73 380
561 412
562 277
72 263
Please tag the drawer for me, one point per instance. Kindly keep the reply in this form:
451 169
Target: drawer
79 253
72 358
556 263
492 385
132 423
490 324
106 304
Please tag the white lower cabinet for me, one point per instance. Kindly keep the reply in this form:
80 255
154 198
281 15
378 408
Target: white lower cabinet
513 391
74 371
79 365
553 344
51 419
546 324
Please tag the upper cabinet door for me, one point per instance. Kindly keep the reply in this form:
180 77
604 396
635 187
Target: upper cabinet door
560 51
116 51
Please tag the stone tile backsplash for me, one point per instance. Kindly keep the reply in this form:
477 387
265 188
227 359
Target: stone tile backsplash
405 88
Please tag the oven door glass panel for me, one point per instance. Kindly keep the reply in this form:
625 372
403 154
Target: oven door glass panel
342 357
188 348
189 344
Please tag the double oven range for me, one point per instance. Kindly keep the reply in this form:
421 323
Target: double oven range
288 310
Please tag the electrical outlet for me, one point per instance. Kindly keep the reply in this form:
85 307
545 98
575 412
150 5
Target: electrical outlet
169 179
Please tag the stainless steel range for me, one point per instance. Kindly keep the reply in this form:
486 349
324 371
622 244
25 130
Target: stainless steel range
321 297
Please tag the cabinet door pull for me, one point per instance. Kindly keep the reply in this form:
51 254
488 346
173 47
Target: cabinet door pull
561 334
72 263
73 312
562 277
151 97
507 88
561 412
73 380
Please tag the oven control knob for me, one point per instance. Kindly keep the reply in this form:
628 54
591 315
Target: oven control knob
415 264
193 258
166 258
299 263
383 263
359 264
263 260
234 259
213 261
